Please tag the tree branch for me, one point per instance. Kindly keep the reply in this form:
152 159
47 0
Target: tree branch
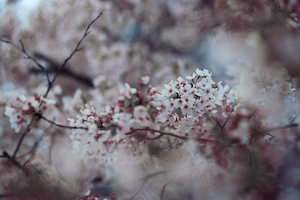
22 138
291 125
169 134
54 67
71 55
23 50
35 146
13 160
50 83
164 188
145 180
59 125
161 132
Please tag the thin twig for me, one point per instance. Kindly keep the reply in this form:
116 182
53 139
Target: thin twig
22 138
291 125
164 188
54 66
71 55
225 123
13 157
169 134
35 146
215 152
50 83
145 180
206 140
23 50
59 125
13 160
161 132
39 140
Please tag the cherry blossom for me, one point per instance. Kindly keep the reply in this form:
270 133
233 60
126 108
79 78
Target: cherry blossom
22 109
160 137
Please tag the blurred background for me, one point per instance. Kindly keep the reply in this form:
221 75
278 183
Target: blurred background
163 39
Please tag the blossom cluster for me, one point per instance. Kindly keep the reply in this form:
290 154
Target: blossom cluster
199 95
110 127
139 116
189 113
22 109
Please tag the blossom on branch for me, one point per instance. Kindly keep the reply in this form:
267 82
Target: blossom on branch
22 109
142 116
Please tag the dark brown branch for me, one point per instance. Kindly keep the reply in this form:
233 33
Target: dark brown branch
22 138
37 141
291 125
71 55
225 123
23 50
54 67
13 157
169 134
205 140
59 125
50 83
13 160
34 148
161 132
